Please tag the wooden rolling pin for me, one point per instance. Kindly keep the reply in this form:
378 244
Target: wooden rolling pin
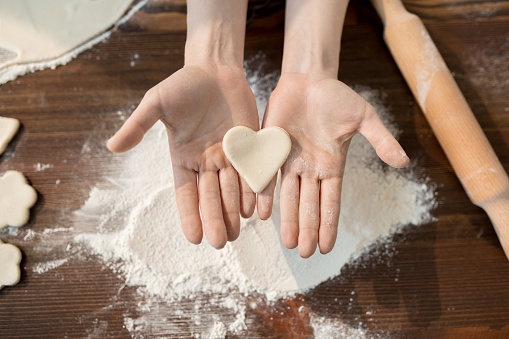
448 114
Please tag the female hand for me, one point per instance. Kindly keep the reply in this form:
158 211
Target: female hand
198 105
321 114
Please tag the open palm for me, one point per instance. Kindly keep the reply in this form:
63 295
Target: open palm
199 105
321 115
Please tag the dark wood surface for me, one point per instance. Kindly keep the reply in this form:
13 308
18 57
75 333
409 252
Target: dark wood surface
445 279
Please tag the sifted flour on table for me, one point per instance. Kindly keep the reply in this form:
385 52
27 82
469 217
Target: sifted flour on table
138 232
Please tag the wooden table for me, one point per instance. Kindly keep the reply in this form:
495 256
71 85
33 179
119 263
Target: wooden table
446 279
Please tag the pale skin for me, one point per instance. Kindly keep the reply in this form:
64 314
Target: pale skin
199 104
210 94
321 114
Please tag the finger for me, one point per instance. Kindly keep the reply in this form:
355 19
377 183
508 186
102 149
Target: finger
289 204
330 201
143 118
229 187
387 148
309 217
265 199
186 194
211 210
247 199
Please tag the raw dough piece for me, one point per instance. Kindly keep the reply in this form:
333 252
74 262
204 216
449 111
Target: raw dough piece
16 198
8 128
33 31
257 156
10 257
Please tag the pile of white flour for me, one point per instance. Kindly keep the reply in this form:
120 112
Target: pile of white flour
138 232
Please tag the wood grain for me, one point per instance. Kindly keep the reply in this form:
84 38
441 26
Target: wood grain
447 111
445 279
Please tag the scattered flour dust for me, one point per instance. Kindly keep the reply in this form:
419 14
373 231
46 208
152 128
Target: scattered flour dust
219 331
325 328
49 265
41 167
133 225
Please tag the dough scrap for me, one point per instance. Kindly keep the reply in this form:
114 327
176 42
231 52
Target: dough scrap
34 32
16 199
8 128
257 156
10 257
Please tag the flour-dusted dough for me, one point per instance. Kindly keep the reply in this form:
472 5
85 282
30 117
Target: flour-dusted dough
10 257
257 156
33 31
8 128
16 199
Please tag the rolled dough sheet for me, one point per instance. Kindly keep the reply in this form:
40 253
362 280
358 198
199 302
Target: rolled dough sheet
33 30
16 199
257 156
10 257
8 128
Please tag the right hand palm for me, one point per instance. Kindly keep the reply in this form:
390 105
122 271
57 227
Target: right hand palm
199 105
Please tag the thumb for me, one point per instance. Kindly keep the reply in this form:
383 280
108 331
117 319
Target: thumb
141 120
387 148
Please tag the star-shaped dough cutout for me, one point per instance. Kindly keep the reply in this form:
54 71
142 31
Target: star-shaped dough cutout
10 257
16 199
8 128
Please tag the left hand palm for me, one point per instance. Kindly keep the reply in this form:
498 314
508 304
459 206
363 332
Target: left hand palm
321 115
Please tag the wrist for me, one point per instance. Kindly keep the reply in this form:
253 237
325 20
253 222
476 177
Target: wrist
215 32
311 59
313 36
213 45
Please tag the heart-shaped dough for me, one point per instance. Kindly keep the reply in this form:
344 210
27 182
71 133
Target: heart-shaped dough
10 257
257 156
